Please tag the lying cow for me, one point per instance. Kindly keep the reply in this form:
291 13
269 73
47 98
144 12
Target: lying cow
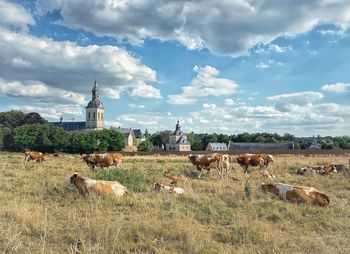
254 160
87 186
31 155
297 194
170 189
321 170
206 162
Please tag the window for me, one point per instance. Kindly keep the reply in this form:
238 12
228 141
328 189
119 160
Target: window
89 116
93 116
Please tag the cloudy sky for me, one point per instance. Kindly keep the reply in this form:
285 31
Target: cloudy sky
220 66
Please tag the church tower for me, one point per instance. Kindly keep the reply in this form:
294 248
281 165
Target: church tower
95 111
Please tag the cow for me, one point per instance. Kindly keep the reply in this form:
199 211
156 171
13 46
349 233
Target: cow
226 163
117 159
85 158
87 186
206 161
55 155
297 194
254 160
31 155
321 170
174 179
170 189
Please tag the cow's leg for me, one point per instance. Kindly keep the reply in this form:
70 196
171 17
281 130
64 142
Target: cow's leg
26 159
200 171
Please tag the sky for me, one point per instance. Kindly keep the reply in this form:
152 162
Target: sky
220 66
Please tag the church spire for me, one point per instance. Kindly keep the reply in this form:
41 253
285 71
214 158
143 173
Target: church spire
95 93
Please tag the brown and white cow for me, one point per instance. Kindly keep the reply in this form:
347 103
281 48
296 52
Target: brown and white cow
117 159
165 188
254 160
297 194
206 162
321 170
31 155
87 186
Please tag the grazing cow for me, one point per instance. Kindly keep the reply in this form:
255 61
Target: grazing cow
322 170
87 186
31 155
254 160
88 162
56 155
164 188
206 161
297 194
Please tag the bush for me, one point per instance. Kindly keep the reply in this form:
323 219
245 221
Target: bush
145 146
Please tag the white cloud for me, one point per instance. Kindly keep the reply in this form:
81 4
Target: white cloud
302 98
229 102
224 27
65 65
14 16
211 106
131 105
145 91
39 92
206 83
337 87
262 65
335 33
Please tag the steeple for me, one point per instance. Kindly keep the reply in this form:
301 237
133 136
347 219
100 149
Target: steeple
178 127
95 93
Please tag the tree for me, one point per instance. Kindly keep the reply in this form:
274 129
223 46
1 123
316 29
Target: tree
33 118
145 146
195 141
11 118
160 138
40 137
147 135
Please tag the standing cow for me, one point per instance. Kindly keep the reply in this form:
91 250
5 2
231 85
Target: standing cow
31 155
254 160
206 162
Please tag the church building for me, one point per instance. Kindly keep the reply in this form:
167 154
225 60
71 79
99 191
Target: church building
178 140
94 115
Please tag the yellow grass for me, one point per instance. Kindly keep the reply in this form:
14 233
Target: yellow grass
40 214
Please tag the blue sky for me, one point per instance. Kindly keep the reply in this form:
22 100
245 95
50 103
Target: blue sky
220 66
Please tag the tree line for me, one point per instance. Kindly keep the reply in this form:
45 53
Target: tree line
22 132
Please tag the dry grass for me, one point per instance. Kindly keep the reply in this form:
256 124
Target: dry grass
40 214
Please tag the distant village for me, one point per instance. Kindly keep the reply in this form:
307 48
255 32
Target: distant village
177 140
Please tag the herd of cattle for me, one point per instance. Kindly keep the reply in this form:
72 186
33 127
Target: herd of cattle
222 162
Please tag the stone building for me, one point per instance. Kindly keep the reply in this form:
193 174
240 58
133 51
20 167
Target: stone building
178 140
95 111
94 118
216 147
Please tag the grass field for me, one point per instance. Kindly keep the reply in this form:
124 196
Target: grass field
39 213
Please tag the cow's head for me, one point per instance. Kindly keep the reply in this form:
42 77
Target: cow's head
305 171
157 186
269 187
73 178
269 158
